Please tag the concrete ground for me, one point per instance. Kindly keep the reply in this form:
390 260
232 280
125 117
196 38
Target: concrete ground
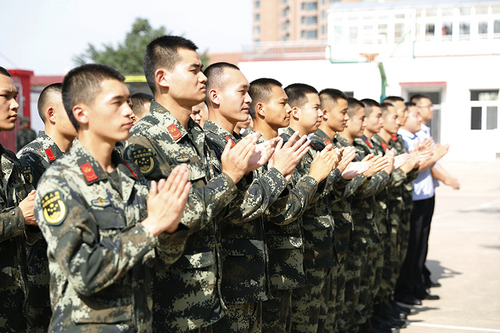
464 254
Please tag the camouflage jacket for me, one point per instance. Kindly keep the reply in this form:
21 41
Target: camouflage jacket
363 204
186 294
283 234
36 157
243 251
23 137
341 196
100 255
13 238
317 220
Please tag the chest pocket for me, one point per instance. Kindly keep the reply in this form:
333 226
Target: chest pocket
196 171
108 218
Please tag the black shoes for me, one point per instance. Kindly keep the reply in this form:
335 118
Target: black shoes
409 300
426 295
432 284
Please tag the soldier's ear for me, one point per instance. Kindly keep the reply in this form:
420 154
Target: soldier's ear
214 97
50 115
80 113
325 114
161 78
296 113
260 109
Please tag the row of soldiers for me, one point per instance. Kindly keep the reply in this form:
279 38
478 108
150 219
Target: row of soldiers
164 226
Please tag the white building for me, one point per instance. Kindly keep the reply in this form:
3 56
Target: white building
448 50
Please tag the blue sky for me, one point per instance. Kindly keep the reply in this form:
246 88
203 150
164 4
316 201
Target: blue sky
44 35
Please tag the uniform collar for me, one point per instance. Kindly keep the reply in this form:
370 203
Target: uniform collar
343 141
321 136
221 132
51 149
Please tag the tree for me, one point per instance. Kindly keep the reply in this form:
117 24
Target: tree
128 56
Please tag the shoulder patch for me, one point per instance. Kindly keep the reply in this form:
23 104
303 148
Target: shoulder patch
144 158
50 155
174 132
88 172
54 208
228 139
328 142
100 202
368 143
28 174
384 145
394 137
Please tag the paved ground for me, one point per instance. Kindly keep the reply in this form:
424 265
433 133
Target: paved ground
464 254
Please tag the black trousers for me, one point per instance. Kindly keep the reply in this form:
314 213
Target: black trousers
411 280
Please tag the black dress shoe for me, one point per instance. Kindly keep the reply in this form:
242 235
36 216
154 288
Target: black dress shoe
426 295
410 300
381 326
400 307
432 284
431 297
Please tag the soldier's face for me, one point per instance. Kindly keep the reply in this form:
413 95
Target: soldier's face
311 114
356 124
402 112
109 117
199 113
234 100
373 122
338 116
187 81
8 104
391 121
277 110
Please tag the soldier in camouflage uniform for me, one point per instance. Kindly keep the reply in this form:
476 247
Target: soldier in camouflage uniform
309 302
91 206
35 158
186 296
271 111
334 106
18 225
241 234
25 135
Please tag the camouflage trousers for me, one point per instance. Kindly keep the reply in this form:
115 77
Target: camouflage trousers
206 329
12 301
391 261
308 300
240 318
355 261
39 310
277 312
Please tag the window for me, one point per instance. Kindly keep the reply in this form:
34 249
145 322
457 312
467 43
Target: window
256 4
353 33
285 37
465 28
283 1
323 29
484 109
482 28
309 20
322 14
398 31
285 11
308 6
447 29
496 27
284 25
429 29
309 34
256 17
382 33
256 30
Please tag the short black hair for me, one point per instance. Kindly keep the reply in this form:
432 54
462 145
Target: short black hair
393 100
417 98
353 106
5 72
384 107
138 100
330 95
261 91
369 105
214 74
163 52
46 97
408 104
297 92
82 84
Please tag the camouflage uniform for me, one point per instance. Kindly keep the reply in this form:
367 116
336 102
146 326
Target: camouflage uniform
35 158
364 242
241 239
23 137
283 235
309 303
13 238
101 258
341 211
186 293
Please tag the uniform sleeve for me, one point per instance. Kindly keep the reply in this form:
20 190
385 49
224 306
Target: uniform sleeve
90 260
35 164
374 185
398 177
263 192
297 199
12 223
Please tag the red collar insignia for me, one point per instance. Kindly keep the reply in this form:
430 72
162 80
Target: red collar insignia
394 138
88 172
228 139
174 132
128 166
368 143
328 142
384 146
49 153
